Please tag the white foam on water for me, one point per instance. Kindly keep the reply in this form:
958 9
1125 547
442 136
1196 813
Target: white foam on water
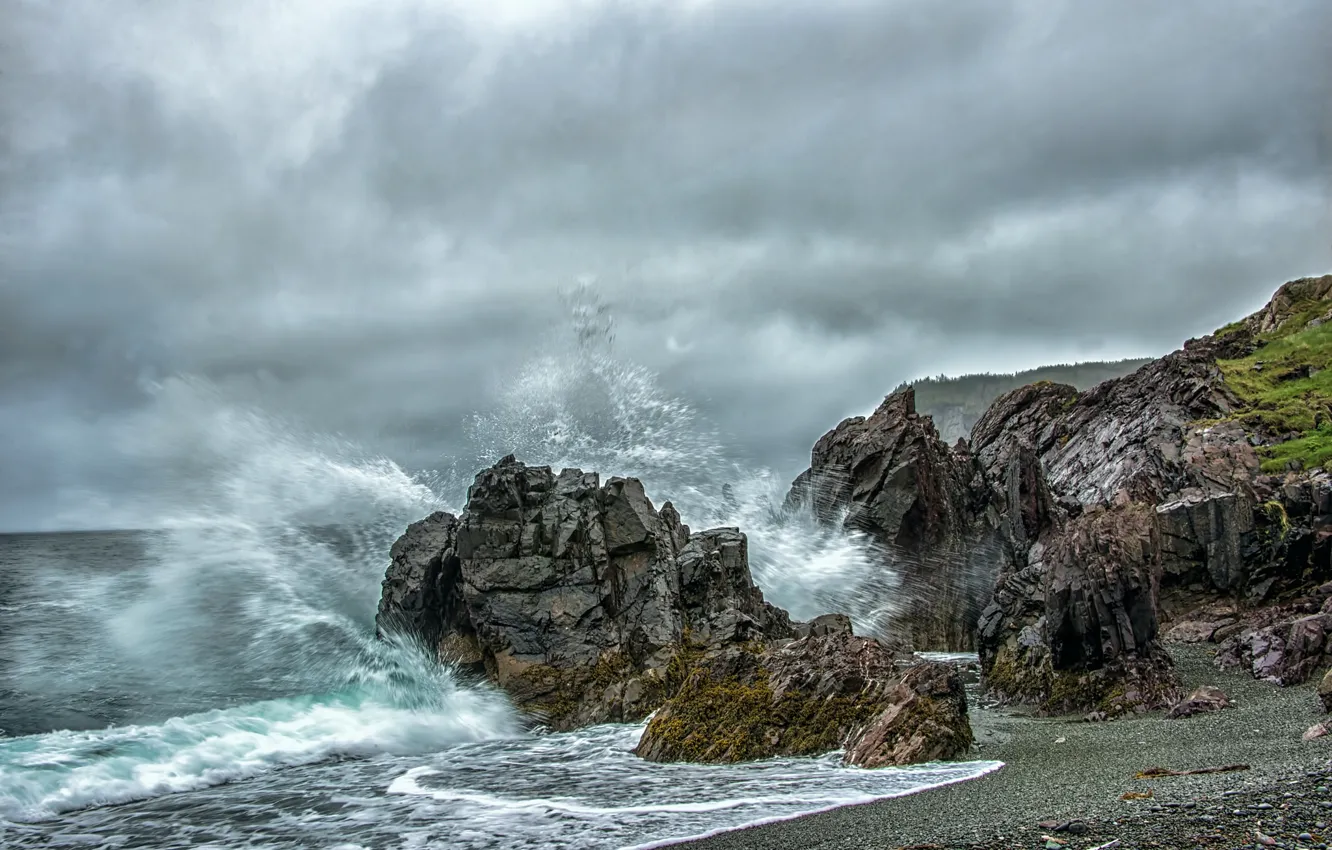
409 710
619 800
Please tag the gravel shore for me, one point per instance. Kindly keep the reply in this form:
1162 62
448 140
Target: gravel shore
1060 770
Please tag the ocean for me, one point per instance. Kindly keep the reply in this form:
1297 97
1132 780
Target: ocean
216 681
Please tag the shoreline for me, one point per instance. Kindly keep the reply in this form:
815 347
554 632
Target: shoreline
1286 791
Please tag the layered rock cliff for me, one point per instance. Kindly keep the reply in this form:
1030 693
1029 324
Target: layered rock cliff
1076 525
1163 509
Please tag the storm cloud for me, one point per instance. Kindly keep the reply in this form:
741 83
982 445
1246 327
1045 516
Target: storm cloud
358 216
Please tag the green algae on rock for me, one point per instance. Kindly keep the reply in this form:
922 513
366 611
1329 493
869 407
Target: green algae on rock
809 697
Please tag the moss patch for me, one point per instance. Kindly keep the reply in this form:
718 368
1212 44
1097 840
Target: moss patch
727 720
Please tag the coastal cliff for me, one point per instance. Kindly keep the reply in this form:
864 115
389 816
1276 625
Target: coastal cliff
1075 528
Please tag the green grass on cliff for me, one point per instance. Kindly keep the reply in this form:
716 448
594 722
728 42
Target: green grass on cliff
1285 388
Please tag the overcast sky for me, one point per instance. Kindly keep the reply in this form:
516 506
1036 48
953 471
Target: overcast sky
356 216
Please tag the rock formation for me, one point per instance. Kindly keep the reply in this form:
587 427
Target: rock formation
572 596
1073 626
1074 525
809 697
923 505
586 604
1162 514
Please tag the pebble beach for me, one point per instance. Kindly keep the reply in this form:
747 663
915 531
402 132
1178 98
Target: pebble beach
1064 782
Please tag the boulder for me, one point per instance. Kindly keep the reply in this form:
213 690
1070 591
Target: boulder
1325 691
926 720
1205 699
1287 652
808 697
924 506
573 596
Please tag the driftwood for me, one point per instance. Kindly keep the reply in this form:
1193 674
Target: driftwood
1158 772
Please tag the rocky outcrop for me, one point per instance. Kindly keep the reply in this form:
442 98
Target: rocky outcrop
1125 435
808 697
421 590
1288 652
1291 302
927 509
586 604
1074 628
572 596
1201 532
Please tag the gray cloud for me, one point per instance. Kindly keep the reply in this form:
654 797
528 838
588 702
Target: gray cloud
357 216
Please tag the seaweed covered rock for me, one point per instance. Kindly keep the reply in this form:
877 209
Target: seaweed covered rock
572 596
808 697
925 507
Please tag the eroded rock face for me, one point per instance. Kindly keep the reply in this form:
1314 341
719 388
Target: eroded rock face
1126 435
1217 533
811 696
1288 652
1074 628
572 596
423 573
926 506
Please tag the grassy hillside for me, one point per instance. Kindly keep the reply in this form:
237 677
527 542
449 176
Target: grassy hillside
1285 385
956 403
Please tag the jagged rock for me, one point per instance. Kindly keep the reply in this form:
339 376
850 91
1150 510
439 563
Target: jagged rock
1124 435
1205 699
1074 628
1286 304
1284 653
1165 438
572 596
926 721
925 506
808 697
423 565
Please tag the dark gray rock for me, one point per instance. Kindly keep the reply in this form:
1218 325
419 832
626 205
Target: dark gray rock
1074 628
423 571
572 596
927 508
